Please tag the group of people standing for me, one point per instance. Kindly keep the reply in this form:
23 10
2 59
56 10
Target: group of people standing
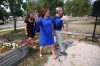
48 26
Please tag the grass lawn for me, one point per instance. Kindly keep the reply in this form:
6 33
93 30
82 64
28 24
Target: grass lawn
13 36
86 23
32 58
83 27
80 38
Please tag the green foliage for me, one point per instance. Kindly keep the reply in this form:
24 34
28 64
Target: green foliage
78 7
3 12
15 7
52 4
1 1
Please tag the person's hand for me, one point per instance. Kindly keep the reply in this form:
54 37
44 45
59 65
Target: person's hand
54 34
63 27
26 33
64 17
35 15
66 29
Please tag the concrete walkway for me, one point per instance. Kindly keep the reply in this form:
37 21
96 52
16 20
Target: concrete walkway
11 24
79 54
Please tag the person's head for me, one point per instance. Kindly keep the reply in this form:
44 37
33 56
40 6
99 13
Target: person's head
45 12
59 11
30 15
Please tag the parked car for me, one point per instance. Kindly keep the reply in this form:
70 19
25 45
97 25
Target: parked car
2 22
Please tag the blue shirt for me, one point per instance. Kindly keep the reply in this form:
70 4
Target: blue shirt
57 23
36 27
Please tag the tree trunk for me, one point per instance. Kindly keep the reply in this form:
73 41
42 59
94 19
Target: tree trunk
14 18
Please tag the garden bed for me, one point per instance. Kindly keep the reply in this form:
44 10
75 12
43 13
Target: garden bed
32 56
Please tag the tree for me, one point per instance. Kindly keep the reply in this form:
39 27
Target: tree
15 8
78 7
52 4
1 1
3 13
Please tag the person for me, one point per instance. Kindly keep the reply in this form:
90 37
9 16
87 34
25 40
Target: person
46 37
36 26
29 25
58 24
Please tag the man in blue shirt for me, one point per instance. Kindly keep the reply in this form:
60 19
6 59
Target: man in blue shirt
58 24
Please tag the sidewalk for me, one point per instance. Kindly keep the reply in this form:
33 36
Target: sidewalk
11 25
79 54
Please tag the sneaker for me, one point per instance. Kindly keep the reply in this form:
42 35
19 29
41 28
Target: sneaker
64 53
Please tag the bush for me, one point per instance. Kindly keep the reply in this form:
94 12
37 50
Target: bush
1 22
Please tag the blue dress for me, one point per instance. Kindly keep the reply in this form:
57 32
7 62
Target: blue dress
46 37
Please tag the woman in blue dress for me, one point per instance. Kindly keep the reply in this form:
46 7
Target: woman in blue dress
46 37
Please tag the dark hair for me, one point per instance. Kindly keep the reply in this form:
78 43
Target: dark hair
27 16
44 10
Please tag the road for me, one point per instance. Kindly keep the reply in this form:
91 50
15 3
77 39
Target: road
11 25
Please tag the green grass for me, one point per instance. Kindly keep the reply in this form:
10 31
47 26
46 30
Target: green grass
78 38
6 28
86 23
32 57
13 36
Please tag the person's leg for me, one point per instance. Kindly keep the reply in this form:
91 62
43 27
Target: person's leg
32 43
41 51
59 40
54 51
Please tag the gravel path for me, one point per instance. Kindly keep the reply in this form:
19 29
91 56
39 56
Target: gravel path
79 54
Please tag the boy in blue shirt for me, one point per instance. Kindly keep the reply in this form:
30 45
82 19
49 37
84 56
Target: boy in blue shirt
58 24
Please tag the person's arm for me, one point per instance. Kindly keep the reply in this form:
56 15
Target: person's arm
66 29
36 17
25 27
63 25
36 20
53 31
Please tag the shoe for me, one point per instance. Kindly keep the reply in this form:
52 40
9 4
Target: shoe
34 47
64 53
41 55
54 57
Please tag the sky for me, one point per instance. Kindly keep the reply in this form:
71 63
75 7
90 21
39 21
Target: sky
91 1
65 0
24 0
